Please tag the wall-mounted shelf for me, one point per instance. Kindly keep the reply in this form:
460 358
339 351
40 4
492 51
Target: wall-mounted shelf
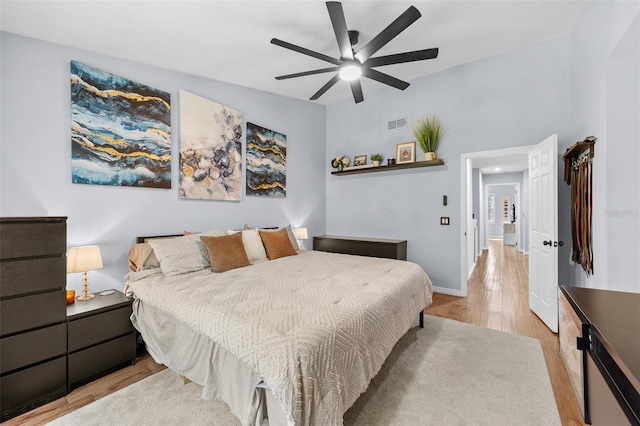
388 168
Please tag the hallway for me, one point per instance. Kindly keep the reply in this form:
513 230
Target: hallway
498 298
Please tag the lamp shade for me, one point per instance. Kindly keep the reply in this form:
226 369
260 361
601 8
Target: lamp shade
301 234
83 259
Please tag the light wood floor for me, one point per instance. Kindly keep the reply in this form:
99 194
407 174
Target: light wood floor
497 298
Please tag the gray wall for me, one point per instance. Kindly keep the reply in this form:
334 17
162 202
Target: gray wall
494 230
501 178
35 158
605 99
512 99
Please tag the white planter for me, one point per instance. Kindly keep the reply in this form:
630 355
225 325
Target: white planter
376 164
428 156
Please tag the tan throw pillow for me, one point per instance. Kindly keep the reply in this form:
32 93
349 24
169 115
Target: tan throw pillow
277 244
141 257
226 252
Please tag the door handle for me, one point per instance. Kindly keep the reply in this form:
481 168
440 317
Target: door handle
554 243
547 243
558 243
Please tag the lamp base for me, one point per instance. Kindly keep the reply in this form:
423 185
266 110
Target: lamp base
87 296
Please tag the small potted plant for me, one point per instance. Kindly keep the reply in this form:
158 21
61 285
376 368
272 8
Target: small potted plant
428 131
376 158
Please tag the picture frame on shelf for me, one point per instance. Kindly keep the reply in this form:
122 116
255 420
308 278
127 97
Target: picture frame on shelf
359 160
406 152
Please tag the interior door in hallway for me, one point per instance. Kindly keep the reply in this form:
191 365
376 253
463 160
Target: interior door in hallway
543 231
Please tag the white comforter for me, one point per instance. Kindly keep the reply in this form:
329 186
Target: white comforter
316 327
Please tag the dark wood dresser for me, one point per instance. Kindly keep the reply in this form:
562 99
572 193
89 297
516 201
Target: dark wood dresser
600 344
374 247
33 329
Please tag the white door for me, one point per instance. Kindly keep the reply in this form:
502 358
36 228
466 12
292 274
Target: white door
543 231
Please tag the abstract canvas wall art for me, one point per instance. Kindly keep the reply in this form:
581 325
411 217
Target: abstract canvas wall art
210 149
266 162
120 130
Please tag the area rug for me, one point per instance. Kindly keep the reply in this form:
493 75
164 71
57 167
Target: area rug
448 373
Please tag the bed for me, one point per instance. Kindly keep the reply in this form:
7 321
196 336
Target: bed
293 339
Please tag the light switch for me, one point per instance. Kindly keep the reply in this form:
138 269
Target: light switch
444 220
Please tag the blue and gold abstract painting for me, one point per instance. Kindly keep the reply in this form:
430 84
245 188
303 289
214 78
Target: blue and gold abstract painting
120 130
210 149
266 162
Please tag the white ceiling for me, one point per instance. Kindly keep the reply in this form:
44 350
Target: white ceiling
229 40
505 163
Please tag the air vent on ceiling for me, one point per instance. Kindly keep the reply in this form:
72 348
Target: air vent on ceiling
397 123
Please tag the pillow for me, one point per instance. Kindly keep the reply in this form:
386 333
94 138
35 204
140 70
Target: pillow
290 233
226 252
252 244
277 243
142 257
179 255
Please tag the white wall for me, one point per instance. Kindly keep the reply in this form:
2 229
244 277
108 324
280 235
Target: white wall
35 158
512 99
605 99
494 230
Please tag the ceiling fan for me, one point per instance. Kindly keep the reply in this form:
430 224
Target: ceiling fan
352 65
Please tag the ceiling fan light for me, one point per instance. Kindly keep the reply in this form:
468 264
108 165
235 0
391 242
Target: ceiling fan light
350 72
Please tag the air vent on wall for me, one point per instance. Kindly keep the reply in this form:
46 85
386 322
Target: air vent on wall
398 123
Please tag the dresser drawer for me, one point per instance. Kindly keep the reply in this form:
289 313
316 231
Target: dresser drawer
89 363
31 239
87 331
38 310
28 348
30 388
32 275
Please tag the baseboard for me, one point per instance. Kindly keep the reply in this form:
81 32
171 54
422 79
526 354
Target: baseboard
444 290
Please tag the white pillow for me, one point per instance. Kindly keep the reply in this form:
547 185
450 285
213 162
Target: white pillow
252 245
179 255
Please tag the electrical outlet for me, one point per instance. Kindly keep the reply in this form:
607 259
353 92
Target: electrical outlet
444 220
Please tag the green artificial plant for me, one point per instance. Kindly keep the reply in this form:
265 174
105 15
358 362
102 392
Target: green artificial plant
428 132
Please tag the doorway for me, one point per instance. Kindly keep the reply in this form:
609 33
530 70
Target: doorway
508 160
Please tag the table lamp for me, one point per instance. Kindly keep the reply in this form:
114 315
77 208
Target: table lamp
301 235
83 259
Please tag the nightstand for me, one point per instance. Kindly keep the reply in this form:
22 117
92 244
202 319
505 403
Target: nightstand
101 338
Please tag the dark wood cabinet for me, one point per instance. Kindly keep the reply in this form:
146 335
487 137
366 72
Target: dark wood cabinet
374 247
101 337
33 333
600 345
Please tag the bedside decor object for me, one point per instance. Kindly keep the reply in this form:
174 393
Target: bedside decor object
428 131
376 158
405 152
359 160
301 234
391 161
71 296
84 259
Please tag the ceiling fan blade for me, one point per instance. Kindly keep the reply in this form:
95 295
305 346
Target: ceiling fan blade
304 51
305 73
340 29
326 87
399 58
385 36
356 89
384 78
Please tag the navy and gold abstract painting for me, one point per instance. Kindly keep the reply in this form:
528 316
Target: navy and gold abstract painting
266 162
210 149
120 130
